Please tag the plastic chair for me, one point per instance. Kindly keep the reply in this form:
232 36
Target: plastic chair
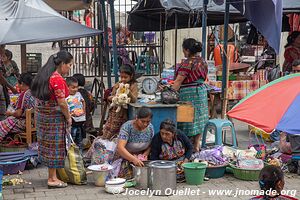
220 126
144 64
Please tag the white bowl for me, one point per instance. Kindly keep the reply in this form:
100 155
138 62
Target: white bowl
115 186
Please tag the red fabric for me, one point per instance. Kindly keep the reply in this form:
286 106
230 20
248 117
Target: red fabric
20 100
88 21
265 108
58 87
294 21
192 69
291 54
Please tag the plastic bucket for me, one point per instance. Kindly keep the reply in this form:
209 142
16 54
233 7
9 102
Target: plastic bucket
215 171
194 173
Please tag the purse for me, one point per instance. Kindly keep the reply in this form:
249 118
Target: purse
260 147
169 95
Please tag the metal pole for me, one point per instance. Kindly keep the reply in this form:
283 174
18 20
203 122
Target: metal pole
100 50
161 53
114 40
204 25
108 66
176 26
224 70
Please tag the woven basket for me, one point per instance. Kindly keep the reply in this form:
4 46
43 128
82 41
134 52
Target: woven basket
245 174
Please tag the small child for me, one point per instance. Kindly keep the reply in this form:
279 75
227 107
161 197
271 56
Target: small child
89 104
271 181
76 106
116 119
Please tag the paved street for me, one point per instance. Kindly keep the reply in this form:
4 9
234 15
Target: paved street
38 188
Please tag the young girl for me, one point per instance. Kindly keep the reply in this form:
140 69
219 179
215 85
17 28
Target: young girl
271 181
116 119
10 67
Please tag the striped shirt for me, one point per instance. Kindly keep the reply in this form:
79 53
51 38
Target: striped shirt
192 69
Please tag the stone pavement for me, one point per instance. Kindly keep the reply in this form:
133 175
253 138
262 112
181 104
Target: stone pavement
38 188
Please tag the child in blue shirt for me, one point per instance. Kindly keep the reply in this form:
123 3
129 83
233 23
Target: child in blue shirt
76 106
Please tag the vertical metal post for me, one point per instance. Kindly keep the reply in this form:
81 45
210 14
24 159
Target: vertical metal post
106 46
114 40
161 53
99 49
224 70
204 26
216 33
176 30
23 58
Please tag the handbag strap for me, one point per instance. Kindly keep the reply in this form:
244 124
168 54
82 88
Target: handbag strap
255 135
250 141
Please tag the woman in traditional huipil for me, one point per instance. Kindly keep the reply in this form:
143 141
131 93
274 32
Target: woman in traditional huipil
190 77
52 114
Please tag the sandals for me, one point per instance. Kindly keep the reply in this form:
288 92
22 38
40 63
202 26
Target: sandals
59 185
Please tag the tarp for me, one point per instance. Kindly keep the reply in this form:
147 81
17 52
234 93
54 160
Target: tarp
33 21
146 15
266 16
156 14
68 5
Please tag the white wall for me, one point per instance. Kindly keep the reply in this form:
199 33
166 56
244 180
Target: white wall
195 33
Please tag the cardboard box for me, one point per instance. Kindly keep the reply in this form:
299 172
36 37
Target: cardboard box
185 113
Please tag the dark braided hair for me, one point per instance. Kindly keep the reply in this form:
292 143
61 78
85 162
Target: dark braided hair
269 178
192 45
291 38
168 125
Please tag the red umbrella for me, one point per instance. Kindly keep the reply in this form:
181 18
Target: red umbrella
273 106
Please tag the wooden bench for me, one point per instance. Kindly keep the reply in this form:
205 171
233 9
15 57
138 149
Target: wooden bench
30 124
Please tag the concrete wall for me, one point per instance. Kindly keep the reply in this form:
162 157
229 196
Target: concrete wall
170 43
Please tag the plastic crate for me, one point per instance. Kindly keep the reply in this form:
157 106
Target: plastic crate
33 62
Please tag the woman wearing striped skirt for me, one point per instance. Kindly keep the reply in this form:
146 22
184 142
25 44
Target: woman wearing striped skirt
190 77
52 114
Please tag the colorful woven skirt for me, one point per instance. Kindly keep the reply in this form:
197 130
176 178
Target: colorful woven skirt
198 96
114 122
51 133
11 125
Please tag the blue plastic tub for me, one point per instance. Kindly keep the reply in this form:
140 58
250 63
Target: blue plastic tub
13 167
1 177
215 171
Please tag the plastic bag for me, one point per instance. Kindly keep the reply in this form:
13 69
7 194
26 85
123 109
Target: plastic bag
260 147
284 146
101 151
169 96
214 156
251 164
246 154
74 171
